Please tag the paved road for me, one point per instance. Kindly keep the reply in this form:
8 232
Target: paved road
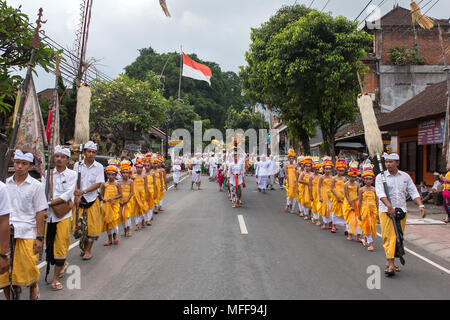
195 250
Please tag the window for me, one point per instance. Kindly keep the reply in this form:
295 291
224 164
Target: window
435 160
408 156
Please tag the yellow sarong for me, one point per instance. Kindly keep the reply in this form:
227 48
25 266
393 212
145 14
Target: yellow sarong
25 271
110 210
158 187
125 211
62 239
388 234
151 192
306 200
337 207
140 197
350 215
94 219
324 206
315 206
290 182
369 214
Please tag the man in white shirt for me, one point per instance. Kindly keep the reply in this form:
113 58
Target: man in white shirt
236 172
399 183
5 211
212 168
58 229
29 205
87 197
196 170
434 189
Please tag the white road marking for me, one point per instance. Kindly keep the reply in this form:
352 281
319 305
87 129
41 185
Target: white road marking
242 224
434 264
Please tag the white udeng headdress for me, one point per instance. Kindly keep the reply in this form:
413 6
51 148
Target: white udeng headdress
19 155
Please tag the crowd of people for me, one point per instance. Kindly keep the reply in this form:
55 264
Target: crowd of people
344 194
89 206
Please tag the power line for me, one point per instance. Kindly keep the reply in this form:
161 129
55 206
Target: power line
325 5
363 10
377 7
311 4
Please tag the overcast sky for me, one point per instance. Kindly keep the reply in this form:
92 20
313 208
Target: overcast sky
216 30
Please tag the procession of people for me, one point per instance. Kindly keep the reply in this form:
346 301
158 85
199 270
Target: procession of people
81 201
330 194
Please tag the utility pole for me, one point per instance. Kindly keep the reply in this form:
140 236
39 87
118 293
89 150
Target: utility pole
446 140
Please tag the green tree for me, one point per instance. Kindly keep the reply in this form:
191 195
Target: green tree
210 102
126 104
262 89
15 53
313 62
245 120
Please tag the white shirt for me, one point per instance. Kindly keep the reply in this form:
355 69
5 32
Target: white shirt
89 176
398 186
5 202
237 169
436 185
197 162
27 199
63 187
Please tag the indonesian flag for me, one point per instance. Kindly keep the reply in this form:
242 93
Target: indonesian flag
195 70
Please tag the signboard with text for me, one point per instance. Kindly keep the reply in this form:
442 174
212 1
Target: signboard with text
430 132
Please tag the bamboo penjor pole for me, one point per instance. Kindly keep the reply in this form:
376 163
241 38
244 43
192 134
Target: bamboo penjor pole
374 142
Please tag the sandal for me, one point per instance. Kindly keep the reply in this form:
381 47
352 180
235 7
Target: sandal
107 244
333 230
349 237
389 272
302 214
323 227
370 248
37 296
396 269
306 218
56 286
364 243
63 271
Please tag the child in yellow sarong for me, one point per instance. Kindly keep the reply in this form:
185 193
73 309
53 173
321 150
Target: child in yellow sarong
314 195
350 208
157 184
368 204
325 193
127 200
303 180
300 186
148 216
291 182
162 174
338 195
111 193
140 193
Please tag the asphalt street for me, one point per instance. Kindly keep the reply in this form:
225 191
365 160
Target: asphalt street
195 250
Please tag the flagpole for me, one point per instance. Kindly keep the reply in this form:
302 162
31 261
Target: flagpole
181 71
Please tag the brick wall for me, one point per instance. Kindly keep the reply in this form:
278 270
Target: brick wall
428 43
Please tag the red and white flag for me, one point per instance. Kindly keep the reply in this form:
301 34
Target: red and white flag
195 70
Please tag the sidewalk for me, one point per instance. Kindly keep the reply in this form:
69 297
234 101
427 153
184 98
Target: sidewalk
431 233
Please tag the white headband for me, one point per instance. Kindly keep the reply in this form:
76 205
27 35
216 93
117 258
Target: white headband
61 150
90 145
19 155
391 156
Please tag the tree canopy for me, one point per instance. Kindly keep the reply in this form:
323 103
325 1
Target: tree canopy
15 52
126 104
209 102
304 62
